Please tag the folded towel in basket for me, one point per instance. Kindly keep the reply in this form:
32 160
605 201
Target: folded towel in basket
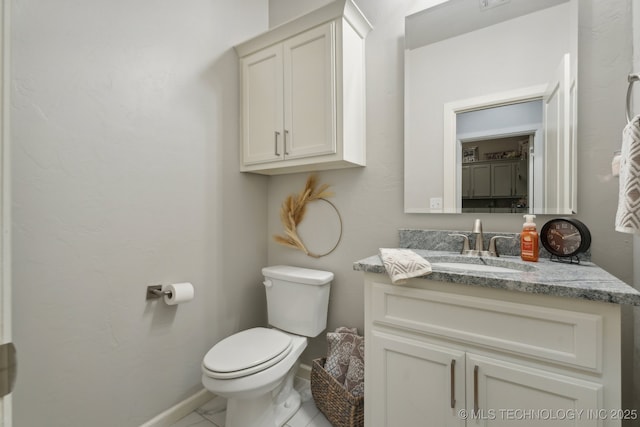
354 381
345 359
403 264
341 345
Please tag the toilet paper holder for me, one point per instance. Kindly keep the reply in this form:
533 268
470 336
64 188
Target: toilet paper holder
155 291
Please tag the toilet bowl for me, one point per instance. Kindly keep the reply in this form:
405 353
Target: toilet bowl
259 392
254 369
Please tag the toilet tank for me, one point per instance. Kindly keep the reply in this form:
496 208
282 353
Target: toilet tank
297 299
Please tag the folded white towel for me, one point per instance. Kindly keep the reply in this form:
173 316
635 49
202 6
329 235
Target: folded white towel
403 264
628 215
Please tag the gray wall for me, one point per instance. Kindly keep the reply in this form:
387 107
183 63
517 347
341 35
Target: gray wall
370 198
636 239
124 120
125 174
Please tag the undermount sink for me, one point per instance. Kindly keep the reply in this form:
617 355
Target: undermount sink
478 264
474 267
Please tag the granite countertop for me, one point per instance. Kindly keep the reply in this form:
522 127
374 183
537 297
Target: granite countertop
584 280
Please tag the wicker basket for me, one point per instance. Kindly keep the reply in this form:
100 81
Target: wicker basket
341 408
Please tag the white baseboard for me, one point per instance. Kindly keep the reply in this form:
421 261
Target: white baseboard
304 371
190 404
180 410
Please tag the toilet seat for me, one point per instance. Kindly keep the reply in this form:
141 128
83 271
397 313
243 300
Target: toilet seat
246 353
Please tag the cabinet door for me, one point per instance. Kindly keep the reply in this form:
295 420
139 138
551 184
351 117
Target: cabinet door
262 106
503 393
310 93
481 180
557 124
502 182
413 383
521 178
466 182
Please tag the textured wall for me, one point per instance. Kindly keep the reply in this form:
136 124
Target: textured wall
124 129
370 198
636 239
125 174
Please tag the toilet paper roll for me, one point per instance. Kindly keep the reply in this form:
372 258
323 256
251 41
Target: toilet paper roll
180 292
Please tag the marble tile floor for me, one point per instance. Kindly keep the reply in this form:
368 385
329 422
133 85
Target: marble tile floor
212 413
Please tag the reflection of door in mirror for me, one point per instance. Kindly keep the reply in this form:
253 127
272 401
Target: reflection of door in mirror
546 114
560 143
497 173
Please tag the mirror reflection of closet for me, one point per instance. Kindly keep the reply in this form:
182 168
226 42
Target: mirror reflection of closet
496 158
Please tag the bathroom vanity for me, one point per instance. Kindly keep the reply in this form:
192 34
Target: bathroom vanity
494 341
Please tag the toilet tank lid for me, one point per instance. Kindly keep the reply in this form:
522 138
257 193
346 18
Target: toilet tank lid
306 276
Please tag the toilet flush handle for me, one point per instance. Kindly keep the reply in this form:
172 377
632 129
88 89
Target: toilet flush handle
267 283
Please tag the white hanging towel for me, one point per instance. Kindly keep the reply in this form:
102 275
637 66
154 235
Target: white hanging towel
403 264
628 215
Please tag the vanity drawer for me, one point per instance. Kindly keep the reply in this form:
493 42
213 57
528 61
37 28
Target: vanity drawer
566 337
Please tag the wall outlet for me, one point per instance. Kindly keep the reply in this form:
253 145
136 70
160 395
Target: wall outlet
489 4
435 203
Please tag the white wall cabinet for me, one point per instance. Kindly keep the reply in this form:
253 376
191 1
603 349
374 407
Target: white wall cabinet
464 356
303 93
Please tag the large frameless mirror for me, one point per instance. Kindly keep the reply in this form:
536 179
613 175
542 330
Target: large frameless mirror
490 108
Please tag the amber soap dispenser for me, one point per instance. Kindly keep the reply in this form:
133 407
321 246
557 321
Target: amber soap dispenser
529 242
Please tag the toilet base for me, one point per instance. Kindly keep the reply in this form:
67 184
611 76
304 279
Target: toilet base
287 409
270 410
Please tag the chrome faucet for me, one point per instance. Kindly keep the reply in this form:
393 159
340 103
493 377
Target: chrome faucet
477 230
479 243
493 248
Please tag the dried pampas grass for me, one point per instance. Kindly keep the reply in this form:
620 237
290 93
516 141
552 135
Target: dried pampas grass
293 210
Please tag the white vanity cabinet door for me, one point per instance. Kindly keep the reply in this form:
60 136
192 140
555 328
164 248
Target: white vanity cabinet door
503 393
310 93
262 106
415 383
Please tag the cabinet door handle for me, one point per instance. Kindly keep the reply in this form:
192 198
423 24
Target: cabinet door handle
286 132
276 143
475 391
453 383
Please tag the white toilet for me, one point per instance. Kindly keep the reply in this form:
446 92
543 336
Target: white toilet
254 369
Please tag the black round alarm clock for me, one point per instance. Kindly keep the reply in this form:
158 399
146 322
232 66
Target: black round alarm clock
565 237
